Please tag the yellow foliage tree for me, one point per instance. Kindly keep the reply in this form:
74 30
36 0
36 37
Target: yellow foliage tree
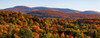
16 36
67 36
62 35
82 35
17 29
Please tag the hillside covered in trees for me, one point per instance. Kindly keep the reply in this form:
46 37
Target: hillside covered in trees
26 9
18 25
61 15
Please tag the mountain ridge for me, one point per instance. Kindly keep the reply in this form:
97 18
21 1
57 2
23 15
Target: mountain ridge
22 9
25 9
60 14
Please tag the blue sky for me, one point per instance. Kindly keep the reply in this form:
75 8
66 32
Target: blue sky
71 4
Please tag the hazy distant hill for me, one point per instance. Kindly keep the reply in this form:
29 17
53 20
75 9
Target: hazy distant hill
22 9
59 14
25 9
91 12
57 9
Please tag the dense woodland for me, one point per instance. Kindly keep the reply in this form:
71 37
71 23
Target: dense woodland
18 25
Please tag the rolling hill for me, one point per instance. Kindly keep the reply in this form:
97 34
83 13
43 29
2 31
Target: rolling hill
60 14
57 9
25 9
45 12
91 12
22 9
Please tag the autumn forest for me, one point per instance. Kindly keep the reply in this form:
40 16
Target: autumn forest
18 25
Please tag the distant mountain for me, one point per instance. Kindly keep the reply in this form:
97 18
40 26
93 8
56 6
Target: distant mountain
60 14
22 9
25 9
91 12
57 9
